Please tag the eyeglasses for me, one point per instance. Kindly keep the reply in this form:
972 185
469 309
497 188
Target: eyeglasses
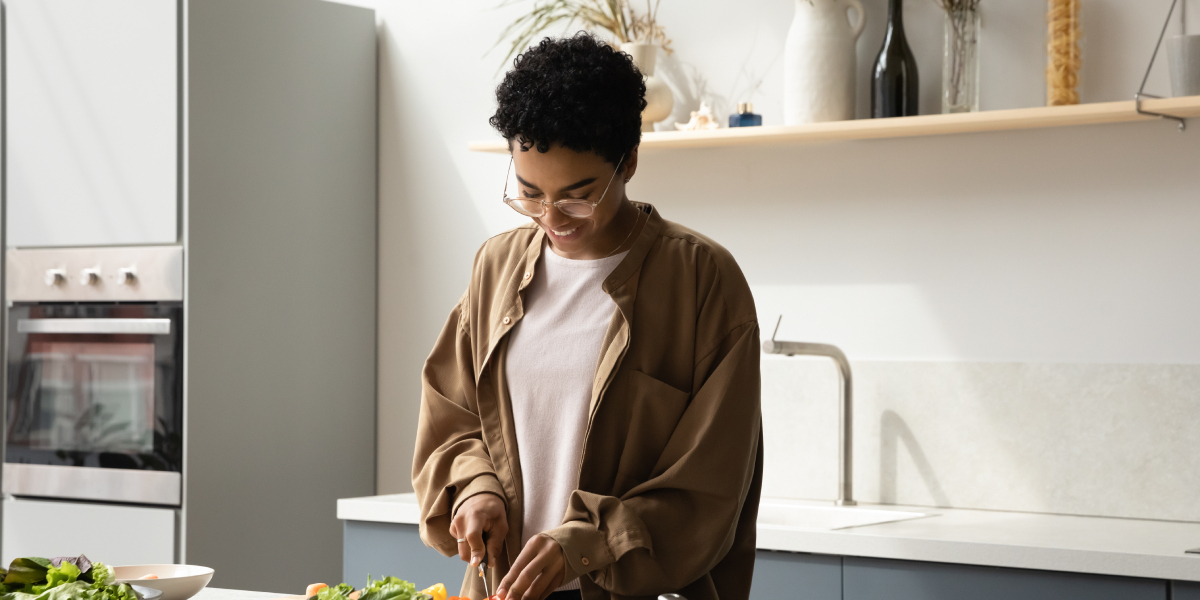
535 207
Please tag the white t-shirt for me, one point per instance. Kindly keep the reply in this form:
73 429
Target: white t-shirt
551 362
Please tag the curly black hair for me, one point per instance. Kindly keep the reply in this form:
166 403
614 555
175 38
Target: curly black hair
578 92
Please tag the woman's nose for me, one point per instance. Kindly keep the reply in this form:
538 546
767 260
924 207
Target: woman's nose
554 217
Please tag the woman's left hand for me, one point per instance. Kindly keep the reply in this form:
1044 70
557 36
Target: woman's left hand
538 571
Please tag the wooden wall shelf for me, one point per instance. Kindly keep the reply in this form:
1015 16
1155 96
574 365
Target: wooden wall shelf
866 129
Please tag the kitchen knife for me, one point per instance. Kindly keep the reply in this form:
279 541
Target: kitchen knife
483 568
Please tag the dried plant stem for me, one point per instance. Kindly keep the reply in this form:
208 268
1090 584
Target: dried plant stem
962 42
614 16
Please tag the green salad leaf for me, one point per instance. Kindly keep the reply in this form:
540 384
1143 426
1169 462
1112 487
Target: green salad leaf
28 570
340 591
62 578
56 576
391 588
101 574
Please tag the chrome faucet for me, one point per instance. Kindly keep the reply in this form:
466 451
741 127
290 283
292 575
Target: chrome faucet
845 414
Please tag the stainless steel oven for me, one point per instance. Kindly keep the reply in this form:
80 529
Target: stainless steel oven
94 407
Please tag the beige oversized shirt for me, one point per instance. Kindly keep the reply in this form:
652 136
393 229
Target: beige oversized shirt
672 461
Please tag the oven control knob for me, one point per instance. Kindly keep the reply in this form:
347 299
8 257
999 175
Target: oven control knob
55 277
127 276
90 276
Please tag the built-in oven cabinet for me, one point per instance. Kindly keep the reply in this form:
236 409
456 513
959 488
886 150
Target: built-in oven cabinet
114 534
93 122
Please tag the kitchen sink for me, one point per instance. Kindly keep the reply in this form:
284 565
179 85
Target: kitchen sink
791 515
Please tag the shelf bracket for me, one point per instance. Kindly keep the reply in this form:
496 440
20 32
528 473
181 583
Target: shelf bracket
1141 93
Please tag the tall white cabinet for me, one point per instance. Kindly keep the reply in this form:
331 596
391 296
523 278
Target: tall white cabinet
93 134
243 131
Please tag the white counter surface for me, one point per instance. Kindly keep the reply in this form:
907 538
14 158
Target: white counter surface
224 594
1129 547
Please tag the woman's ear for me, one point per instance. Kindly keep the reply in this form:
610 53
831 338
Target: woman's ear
631 165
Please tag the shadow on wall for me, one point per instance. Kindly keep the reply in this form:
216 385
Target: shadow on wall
893 431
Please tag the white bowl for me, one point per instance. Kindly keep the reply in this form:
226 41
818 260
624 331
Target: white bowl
177 582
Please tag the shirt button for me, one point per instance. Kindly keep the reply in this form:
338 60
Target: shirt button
507 320
584 560
527 275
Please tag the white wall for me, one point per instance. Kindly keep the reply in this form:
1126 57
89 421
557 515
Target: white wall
1062 247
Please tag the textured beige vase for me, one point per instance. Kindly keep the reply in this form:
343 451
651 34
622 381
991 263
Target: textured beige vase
820 60
659 100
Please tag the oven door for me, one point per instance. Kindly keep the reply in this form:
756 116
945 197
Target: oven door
94 407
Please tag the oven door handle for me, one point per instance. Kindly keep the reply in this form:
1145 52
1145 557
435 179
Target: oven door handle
83 326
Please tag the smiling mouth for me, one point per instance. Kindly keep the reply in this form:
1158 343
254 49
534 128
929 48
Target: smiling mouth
564 233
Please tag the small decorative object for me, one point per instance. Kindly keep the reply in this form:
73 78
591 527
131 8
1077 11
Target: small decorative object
1064 57
659 100
1184 54
960 65
701 120
820 60
895 88
745 116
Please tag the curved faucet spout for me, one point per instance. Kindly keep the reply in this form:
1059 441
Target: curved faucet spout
845 414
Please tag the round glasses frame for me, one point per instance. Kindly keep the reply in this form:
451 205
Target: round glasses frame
536 207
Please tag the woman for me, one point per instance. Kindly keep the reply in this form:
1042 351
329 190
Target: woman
592 406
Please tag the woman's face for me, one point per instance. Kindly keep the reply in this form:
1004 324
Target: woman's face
561 174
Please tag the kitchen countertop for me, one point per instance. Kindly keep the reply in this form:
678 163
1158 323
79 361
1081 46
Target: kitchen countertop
224 594
1106 546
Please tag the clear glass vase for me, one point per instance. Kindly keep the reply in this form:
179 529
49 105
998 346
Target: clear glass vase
960 65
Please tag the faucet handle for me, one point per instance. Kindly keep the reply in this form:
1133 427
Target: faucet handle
776 327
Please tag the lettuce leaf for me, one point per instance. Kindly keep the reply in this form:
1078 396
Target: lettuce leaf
101 574
56 576
391 588
340 591
80 561
27 570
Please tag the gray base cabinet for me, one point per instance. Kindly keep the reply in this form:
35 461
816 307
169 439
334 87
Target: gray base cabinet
395 549
878 579
381 549
795 576
1185 590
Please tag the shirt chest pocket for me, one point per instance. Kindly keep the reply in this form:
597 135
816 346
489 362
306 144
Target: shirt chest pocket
652 409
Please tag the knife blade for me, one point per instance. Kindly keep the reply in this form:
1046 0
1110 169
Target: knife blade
483 568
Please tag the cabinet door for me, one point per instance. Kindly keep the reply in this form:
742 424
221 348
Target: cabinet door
794 576
879 579
115 534
93 122
379 549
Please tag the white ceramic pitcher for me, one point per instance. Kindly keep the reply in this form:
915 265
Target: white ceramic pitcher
820 61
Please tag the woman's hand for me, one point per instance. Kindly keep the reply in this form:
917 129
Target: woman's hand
478 514
538 570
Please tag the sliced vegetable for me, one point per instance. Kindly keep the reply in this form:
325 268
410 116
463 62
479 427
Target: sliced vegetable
313 588
437 590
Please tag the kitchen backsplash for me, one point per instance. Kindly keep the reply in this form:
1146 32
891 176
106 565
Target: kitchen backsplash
1118 440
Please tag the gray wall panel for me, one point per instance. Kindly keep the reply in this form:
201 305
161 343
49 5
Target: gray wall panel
877 579
280 239
796 576
380 549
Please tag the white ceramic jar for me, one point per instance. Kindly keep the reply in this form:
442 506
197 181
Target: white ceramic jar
820 61
659 99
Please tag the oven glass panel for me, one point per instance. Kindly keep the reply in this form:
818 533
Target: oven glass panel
94 399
